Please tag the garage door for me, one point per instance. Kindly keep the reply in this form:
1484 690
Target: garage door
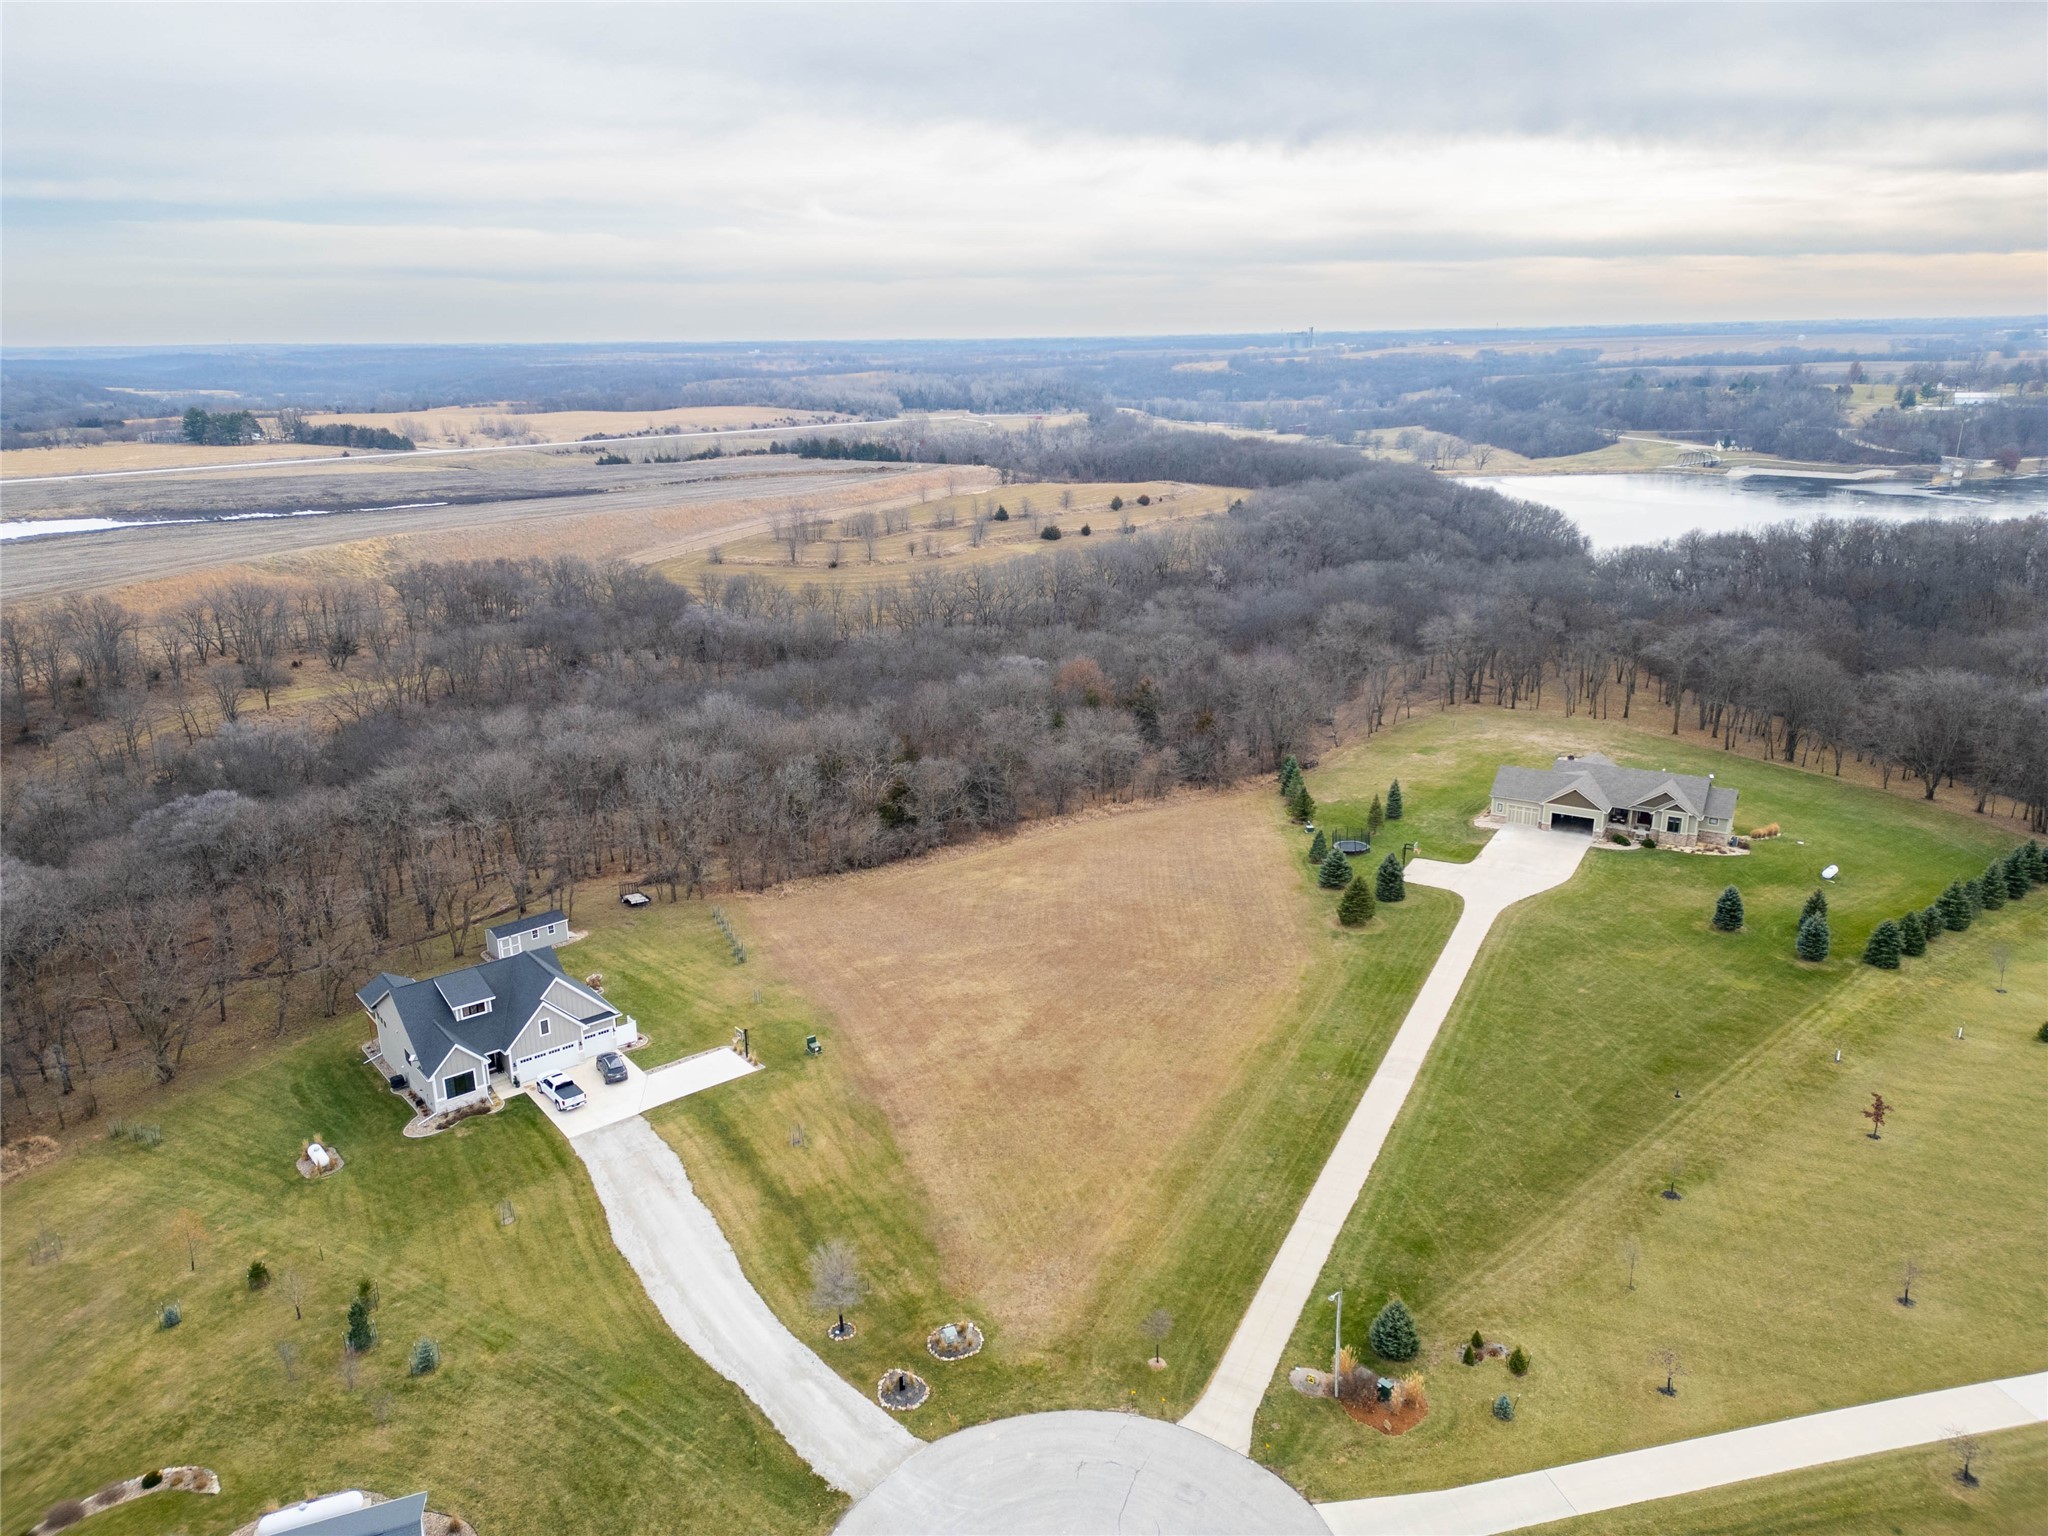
540 1064
1560 822
1527 815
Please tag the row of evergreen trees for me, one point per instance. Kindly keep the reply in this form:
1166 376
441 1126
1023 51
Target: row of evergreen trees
1333 870
2005 879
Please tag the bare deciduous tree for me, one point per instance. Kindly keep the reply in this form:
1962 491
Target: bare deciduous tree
1157 1325
836 1281
288 1357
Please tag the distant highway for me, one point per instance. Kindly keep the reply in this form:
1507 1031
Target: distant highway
413 454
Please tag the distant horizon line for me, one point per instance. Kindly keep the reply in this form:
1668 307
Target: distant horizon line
1824 325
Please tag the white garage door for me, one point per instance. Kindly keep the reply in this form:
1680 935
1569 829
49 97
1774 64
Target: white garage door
540 1064
1527 815
598 1039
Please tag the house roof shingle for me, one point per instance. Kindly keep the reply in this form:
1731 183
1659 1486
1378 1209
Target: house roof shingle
517 984
527 924
1606 784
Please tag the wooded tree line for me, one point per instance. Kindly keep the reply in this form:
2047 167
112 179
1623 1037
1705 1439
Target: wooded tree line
493 733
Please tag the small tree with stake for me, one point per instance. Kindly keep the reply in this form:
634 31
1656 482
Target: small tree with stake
1157 1325
836 1282
1672 1367
1875 1115
1389 884
1335 873
1728 911
1907 1275
1966 1448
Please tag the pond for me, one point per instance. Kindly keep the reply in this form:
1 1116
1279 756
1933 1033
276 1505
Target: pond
1618 510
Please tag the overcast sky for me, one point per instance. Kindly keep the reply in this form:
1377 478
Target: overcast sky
332 172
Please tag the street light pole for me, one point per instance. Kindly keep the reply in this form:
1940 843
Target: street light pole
1337 1348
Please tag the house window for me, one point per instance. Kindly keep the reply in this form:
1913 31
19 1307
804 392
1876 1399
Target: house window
455 1087
543 1026
471 1010
1673 824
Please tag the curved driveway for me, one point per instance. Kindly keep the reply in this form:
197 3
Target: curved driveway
1518 863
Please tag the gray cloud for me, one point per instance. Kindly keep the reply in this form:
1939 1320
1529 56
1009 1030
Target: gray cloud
176 172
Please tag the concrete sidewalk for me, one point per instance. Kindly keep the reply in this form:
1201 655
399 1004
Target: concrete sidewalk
611 1103
1518 863
1687 1466
676 1248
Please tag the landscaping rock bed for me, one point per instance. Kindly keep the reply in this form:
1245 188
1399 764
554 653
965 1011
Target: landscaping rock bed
901 1391
65 1515
953 1341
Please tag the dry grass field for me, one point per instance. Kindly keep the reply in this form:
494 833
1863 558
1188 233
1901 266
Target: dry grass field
101 458
1044 1020
939 532
466 426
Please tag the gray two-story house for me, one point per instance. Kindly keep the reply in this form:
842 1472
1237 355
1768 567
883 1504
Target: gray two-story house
512 1019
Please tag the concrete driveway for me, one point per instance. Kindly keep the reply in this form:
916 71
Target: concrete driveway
689 1270
1060 1474
611 1103
1518 863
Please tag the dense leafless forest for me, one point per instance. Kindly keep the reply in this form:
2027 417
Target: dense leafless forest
491 734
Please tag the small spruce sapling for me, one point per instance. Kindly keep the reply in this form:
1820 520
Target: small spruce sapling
1518 1361
1318 848
1912 935
1885 946
1389 884
1301 805
1289 767
1392 1334
1394 801
1504 1408
361 1335
1814 941
1817 902
1375 818
1728 911
1335 873
1358 905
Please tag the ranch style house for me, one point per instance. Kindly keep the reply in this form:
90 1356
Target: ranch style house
513 1020
1591 793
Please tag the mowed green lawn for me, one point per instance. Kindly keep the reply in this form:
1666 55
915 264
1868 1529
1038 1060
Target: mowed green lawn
1913 1491
1607 1032
1233 1194
564 1403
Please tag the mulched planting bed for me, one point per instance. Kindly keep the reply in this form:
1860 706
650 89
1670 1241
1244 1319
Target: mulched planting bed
966 1340
1386 1418
901 1390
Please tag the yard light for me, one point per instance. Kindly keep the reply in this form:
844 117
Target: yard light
1337 1352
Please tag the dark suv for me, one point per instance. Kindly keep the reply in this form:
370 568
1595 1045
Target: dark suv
613 1066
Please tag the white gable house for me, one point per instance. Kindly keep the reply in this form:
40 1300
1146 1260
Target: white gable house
512 1019
1591 793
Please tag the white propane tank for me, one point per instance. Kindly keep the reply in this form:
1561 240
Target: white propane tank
297 1516
317 1156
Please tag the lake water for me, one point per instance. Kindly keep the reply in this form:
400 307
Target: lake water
1618 510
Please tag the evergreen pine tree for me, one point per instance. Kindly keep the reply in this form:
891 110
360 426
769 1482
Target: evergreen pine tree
1358 905
360 1334
1301 805
2017 881
1973 897
1375 818
1392 1334
1728 911
1318 848
1336 871
1931 923
1817 902
1885 946
1991 886
1394 801
1289 768
1955 908
1912 935
2037 861
1814 939
1390 884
